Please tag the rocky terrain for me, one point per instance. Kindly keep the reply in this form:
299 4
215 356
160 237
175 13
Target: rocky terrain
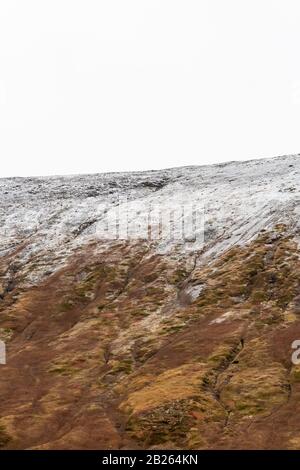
151 342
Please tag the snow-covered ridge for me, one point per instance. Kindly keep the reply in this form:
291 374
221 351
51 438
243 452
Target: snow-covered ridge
51 216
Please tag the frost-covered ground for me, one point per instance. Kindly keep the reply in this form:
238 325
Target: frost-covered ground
45 219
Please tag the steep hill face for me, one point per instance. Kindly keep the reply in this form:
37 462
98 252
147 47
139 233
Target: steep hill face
151 343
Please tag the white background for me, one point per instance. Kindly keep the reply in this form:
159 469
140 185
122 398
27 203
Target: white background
110 85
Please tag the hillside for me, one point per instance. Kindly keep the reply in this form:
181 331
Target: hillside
145 343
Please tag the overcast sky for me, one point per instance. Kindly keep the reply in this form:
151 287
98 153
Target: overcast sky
111 85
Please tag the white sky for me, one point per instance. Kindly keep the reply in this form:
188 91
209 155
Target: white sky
111 85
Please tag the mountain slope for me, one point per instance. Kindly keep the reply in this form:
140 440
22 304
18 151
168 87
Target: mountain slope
151 343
